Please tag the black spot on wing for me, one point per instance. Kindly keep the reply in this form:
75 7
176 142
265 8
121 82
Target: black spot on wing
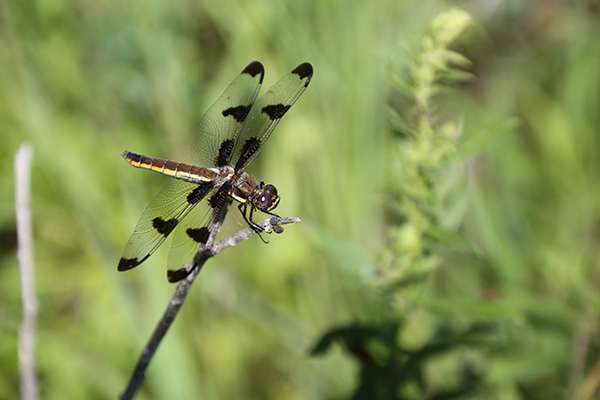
275 111
219 199
253 69
251 146
177 275
303 70
164 227
224 153
198 193
239 112
126 264
198 235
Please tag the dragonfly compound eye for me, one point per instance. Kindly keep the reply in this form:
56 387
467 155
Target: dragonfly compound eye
271 189
265 200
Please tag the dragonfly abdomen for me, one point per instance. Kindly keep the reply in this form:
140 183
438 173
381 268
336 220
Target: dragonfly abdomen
182 171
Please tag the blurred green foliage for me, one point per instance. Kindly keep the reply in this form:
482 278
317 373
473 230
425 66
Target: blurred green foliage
444 164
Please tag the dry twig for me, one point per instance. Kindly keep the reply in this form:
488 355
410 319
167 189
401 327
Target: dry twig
29 385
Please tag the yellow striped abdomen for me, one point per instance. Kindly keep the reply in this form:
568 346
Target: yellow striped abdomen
181 171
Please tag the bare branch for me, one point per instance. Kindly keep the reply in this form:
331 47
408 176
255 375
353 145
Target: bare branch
204 254
269 225
29 385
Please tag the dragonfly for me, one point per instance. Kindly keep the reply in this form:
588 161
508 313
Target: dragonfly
230 135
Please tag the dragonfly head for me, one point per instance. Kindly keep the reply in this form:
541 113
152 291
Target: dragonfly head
268 199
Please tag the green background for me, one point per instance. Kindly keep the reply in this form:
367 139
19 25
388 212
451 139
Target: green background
496 226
